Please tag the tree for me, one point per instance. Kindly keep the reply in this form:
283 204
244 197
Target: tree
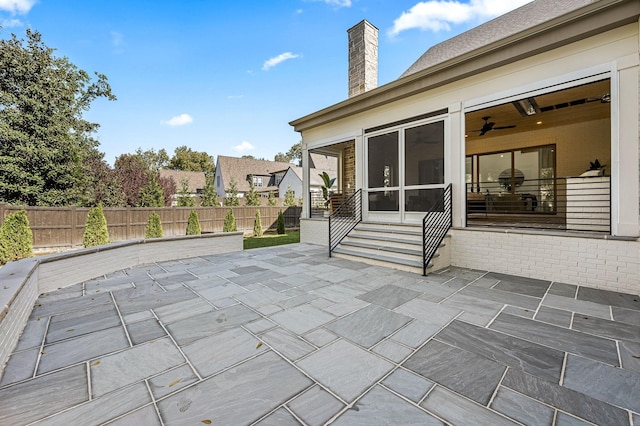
152 159
231 200
151 195
95 231
294 153
257 224
289 197
15 237
272 200
252 198
184 195
229 222
281 158
280 223
104 184
45 139
154 226
169 187
193 225
134 175
185 158
209 193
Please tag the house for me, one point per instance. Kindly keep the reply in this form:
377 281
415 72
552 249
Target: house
195 182
318 163
492 131
271 176
266 175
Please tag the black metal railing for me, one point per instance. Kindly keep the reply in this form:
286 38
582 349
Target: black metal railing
344 218
435 225
574 203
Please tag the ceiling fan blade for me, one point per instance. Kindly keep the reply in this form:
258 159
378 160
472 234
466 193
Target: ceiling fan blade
504 127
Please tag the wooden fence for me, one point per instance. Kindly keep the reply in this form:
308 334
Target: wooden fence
59 228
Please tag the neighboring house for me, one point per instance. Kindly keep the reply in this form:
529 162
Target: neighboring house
270 176
196 182
266 175
294 175
510 114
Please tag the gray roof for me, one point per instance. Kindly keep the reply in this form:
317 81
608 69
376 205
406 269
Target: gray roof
314 174
323 162
239 168
196 179
509 24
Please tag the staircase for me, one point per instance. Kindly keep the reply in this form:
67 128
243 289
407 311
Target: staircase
397 246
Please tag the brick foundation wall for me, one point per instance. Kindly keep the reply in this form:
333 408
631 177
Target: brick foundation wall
609 264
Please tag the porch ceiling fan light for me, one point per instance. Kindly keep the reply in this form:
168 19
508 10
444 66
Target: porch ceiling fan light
527 107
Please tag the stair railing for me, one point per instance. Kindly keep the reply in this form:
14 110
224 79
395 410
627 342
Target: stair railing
435 225
343 219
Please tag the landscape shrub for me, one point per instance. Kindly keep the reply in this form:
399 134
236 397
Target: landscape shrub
154 226
229 222
95 230
193 226
280 223
16 238
257 225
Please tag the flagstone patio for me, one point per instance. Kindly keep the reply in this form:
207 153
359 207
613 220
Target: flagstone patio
286 335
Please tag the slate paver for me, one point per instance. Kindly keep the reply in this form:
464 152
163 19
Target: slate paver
521 408
559 338
115 371
219 351
276 346
240 396
458 410
565 399
616 386
464 372
408 384
316 406
345 368
369 325
172 380
519 353
83 348
389 296
381 407
43 396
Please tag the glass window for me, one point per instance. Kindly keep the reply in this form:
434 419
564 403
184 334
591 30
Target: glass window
383 161
424 154
422 200
384 201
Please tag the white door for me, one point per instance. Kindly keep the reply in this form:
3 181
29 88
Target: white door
405 172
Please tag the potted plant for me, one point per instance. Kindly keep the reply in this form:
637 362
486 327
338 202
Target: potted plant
595 169
326 189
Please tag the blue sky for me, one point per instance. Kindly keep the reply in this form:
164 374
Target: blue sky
226 77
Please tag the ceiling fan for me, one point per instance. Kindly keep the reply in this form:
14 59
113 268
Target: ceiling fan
490 125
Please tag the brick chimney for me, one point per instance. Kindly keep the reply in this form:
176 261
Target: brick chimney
363 58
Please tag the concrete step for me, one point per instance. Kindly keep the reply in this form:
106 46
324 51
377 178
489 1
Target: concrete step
378 259
393 228
396 252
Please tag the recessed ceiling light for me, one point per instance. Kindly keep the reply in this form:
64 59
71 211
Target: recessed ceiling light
538 122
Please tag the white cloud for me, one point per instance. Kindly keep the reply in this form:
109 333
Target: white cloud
117 38
270 63
337 3
178 120
439 15
11 23
17 6
243 147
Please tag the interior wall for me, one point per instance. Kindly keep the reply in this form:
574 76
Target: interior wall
576 145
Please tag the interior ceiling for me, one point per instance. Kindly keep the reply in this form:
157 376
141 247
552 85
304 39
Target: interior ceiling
556 110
